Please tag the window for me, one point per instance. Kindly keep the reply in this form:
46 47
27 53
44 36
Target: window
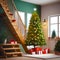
59 26
22 15
28 19
54 25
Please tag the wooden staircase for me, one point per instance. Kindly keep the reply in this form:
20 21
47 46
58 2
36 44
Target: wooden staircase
11 23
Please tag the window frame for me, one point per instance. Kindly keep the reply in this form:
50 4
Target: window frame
49 25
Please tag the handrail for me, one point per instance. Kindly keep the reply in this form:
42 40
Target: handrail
19 18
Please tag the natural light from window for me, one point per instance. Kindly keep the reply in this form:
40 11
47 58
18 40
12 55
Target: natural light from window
54 25
54 20
28 19
59 25
22 15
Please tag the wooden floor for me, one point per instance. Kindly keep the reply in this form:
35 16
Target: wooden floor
19 58
25 58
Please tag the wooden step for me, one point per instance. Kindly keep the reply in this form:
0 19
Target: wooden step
10 48
7 10
13 20
10 14
9 53
4 5
9 44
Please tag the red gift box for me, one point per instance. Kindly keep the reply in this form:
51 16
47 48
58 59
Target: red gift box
46 50
31 50
12 41
37 49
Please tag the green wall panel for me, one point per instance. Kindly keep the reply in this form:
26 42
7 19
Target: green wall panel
26 7
1 10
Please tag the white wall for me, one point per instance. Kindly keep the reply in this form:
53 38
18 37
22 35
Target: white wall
51 9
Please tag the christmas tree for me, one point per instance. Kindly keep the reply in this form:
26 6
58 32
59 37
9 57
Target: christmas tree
57 46
35 35
53 34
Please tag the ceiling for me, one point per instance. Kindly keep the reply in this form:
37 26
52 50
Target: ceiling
41 2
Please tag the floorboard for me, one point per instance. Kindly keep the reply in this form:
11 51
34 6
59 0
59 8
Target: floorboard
25 58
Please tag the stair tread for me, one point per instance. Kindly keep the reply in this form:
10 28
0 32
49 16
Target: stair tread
13 53
9 44
10 48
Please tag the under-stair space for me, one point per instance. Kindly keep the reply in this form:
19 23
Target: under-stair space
12 25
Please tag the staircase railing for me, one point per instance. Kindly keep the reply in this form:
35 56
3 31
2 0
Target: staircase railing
20 24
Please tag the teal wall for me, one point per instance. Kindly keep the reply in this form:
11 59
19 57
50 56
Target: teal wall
1 10
27 7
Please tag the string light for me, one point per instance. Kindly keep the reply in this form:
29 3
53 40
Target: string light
35 9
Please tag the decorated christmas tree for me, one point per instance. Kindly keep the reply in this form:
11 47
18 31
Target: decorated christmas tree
35 35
